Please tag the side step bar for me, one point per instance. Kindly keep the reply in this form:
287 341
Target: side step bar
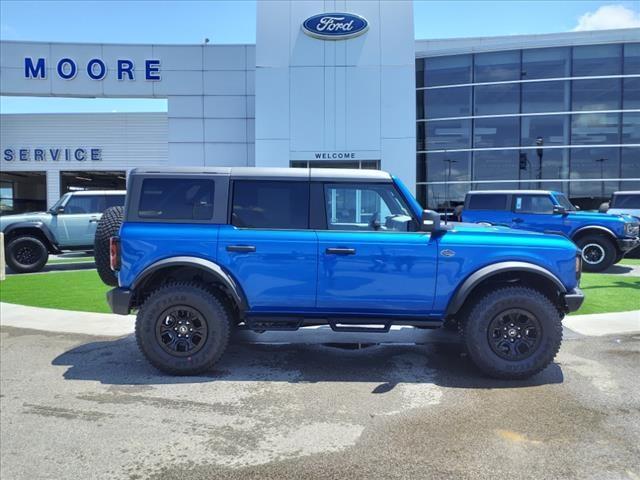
261 323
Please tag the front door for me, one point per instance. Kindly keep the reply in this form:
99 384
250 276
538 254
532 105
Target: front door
535 212
368 260
269 247
76 225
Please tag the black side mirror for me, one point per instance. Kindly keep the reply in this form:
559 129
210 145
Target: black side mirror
430 221
559 210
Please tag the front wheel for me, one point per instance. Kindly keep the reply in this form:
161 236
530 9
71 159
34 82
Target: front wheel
26 254
183 329
512 333
598 253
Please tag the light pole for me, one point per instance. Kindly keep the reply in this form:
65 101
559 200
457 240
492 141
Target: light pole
540 152
446 193
601 162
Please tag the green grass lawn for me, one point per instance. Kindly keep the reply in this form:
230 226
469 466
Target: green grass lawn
630 261
83 290
76 290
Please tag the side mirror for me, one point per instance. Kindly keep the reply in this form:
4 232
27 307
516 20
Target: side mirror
430 221
558 210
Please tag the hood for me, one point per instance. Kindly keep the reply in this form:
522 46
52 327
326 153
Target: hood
504 237
7 220
599 217
624 212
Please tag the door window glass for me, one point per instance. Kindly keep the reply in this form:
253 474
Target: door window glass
533 204
274 204
366 207
84 204
488 201
113 201
176 199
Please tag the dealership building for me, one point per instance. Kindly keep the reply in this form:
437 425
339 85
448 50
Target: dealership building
335 84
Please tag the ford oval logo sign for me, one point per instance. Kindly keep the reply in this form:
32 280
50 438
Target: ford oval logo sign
335 26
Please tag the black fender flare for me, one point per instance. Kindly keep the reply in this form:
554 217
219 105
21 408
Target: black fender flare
473 280
597 229
232 286
35 225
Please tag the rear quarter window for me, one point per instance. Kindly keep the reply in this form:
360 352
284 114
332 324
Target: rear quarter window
487 201
176 199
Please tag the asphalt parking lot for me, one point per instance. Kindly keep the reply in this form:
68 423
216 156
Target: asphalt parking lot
75 406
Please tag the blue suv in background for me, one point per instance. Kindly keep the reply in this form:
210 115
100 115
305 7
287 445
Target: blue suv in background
602 238
200 252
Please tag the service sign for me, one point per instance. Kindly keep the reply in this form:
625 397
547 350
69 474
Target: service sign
335 26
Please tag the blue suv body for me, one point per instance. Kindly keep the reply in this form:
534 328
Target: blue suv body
603 239
203 251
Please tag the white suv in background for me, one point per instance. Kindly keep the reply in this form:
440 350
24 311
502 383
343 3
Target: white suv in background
625 203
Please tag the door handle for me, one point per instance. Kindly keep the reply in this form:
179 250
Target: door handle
518 220
340 251
241 248
93 220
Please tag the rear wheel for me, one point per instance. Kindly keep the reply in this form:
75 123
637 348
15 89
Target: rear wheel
598 253
183 329
26 254
512 333
108 226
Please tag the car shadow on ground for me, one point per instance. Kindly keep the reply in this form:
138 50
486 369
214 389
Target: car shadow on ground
119 362
619 269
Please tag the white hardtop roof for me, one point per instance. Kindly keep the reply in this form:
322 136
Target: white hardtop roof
627 192
98 192
280 173
509 192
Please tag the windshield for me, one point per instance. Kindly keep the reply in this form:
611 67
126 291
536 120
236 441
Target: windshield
627 200
59 203
564 202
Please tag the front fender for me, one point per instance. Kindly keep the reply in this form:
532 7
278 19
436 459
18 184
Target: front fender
473 280
37 225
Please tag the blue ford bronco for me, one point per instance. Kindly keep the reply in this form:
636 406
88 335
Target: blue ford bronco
202 251
603 239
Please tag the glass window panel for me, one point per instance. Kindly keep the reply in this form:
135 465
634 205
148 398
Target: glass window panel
176 199
539 97
273 204
497 99
592 60
497 66
447 167
594 163
601 94
85 204
630 167
419 72
553 163
496 132
554 129
444 102
496 165
533 204
632 58
545 63
631 128
595 128
447 134
440 197
630 93
451 70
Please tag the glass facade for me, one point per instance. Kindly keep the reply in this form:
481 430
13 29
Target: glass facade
560 118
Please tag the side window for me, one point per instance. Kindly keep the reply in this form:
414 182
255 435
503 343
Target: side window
176 199
488 201
533 204
113 201
270 204
78 204
365 207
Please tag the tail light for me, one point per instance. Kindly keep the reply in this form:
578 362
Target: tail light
114 253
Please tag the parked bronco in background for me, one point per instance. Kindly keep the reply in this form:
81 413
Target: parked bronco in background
69 225
602 238
203 251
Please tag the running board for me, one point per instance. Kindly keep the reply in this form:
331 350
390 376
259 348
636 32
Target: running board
261 323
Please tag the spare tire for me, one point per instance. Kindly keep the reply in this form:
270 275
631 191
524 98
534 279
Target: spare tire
108 226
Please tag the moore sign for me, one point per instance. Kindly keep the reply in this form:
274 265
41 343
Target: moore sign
335 26
96 69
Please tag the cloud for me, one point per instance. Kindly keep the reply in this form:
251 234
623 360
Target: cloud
608 17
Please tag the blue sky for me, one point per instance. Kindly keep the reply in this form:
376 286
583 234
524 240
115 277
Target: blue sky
234 22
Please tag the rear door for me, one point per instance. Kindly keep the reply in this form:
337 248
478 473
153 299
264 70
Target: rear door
492 208
368 261
268 246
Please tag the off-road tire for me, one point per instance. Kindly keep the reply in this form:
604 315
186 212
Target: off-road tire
194 296
37 252
476 336
606 246
108 226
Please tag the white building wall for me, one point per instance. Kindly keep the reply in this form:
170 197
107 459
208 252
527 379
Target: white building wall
125 140
335 96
